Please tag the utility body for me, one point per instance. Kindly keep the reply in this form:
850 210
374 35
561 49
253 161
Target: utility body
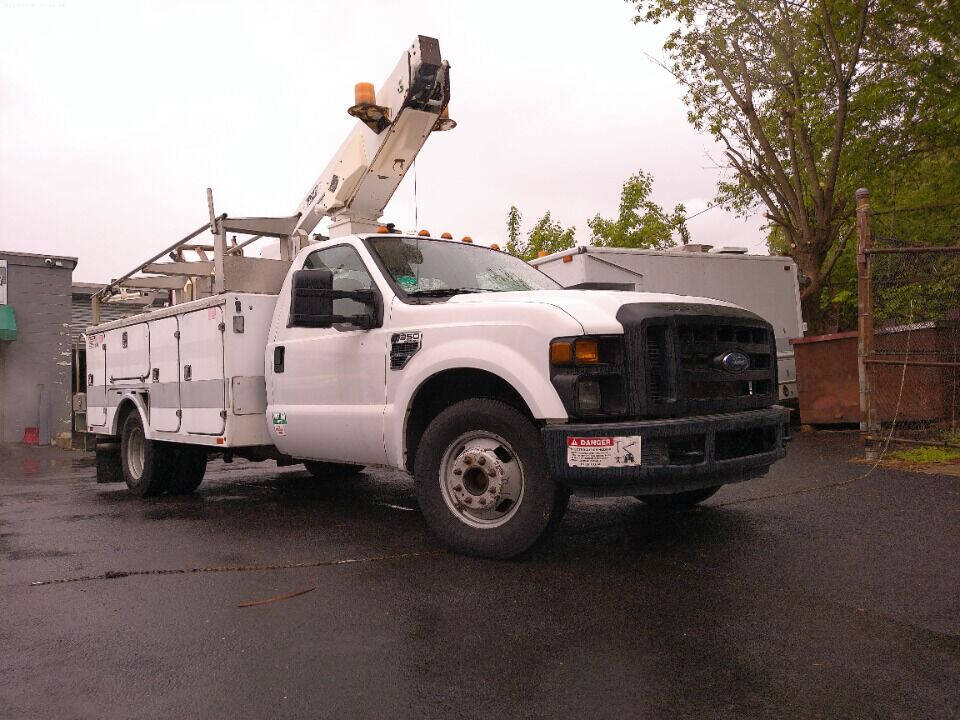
499 390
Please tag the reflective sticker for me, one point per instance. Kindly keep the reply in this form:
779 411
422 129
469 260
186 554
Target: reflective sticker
603 452
280 423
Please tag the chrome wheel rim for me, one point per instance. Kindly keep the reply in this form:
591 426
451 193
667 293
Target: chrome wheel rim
481 479
136 453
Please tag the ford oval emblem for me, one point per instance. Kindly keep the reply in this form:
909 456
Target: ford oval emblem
735 362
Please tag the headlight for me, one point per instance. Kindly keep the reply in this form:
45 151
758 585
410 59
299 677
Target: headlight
588 395
589 374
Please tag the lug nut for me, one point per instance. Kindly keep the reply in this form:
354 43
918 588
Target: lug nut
457 471
468 501
467 460
483 501
482 460
457 488
491 472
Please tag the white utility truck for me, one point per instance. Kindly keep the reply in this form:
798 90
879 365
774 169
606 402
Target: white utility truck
500 391
764 284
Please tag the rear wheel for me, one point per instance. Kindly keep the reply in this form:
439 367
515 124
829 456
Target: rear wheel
145 463
679 501
331 471
187 467
109 467
482 480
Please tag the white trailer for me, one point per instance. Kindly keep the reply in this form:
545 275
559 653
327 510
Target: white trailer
764 284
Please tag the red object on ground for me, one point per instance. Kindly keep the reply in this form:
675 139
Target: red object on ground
31 436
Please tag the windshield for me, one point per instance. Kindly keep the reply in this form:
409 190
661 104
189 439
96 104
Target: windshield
423 267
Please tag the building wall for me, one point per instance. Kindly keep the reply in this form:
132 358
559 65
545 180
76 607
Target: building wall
35 369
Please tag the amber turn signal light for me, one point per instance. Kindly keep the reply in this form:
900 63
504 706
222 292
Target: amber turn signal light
582 351
561 352
586 352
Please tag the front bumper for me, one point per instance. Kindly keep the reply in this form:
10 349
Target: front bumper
676 454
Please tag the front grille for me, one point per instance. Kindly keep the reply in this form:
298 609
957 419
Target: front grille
674 360
701 346
656 364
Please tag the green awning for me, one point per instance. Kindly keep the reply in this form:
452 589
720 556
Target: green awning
8 323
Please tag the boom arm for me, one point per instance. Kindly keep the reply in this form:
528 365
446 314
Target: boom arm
353 190
362 177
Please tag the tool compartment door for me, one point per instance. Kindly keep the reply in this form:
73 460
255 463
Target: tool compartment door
202 388
164 382
96 380
128 355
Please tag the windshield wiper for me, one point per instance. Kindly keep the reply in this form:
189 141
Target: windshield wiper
444 292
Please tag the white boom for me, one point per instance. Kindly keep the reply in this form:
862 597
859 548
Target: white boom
361 178
353 190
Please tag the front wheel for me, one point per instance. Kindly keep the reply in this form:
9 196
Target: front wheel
680 500
482 480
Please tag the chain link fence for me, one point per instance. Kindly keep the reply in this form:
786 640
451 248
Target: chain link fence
909 317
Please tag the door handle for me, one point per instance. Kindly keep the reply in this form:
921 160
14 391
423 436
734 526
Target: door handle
278 357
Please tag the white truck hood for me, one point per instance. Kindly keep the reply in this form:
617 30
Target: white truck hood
595 310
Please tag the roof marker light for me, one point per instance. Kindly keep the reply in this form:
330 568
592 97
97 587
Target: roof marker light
424 233
447 236
467 239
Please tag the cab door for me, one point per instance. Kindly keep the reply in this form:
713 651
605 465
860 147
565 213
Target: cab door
327 385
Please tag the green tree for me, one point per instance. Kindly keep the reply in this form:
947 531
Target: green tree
640 223
513 231
809 98
546 236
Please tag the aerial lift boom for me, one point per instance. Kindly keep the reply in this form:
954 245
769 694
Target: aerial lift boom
353 190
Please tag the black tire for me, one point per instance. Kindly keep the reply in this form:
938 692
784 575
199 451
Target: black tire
109 468
680 500
525 519
146 463
331 471
188 465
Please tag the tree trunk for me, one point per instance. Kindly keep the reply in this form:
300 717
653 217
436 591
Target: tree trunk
810 264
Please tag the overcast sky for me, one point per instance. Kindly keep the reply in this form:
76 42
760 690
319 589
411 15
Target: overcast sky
115 117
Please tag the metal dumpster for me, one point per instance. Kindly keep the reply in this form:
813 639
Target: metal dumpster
828 388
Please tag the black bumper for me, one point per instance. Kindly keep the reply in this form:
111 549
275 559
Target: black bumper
676 454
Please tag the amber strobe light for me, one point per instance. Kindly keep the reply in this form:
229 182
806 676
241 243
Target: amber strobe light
363 94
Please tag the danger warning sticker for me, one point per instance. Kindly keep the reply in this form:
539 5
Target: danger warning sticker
603 452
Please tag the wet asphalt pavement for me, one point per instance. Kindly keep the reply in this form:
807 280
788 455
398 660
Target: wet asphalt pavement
806 594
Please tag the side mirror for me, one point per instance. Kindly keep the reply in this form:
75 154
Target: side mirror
311 301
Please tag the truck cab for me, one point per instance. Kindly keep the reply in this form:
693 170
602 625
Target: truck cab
503 392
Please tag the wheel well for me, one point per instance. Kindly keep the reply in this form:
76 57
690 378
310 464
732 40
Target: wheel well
123 410
446 388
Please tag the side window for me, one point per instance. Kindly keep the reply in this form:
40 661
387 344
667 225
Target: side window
349 273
